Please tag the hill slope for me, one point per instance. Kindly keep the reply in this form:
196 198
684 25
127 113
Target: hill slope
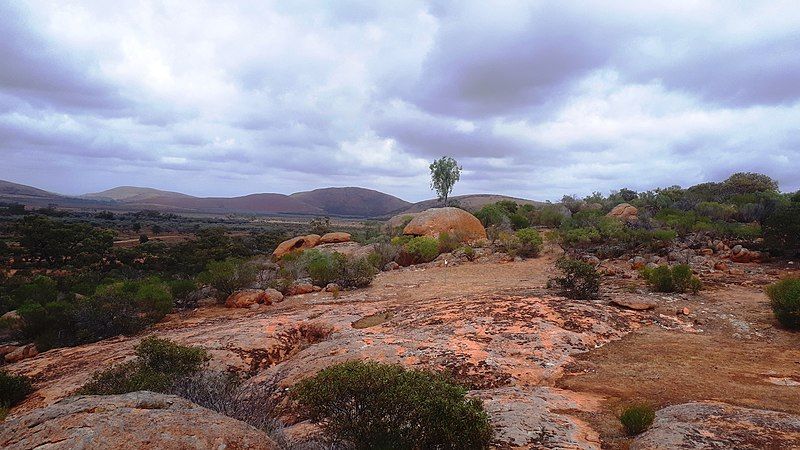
472 202
351 201
9 189
132 194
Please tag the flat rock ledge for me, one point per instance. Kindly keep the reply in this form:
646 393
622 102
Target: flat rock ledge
715 425
138 420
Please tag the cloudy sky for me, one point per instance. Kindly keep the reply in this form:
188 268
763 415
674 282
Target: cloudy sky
534 99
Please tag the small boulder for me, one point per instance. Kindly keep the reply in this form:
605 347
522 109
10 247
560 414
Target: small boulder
249 297
721 266
300 288
12 320
634 303
332 287
296 243
625 212
638 262
22 352
334 238
456 222
391 265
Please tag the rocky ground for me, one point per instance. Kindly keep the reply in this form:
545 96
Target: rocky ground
553 372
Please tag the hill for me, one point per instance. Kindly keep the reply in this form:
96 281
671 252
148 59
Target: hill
9 189
248 204
472 202
133 194
351 201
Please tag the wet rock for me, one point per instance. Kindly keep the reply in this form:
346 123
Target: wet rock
138 420
719 425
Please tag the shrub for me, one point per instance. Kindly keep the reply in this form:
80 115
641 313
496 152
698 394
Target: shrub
549 216
448 243
346 271
467 251
530 242
158 365
181 288
373 405
677 279
228 276
518 221
383 253
785 301
358 273
580 281
494 215
422 249
637 418
13 389
782 230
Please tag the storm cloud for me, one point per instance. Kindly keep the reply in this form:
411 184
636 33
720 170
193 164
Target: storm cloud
535 99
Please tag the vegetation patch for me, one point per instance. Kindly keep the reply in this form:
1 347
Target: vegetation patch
637 418
785 301
580 280
158 365
373 320
13 389
679 278
373 405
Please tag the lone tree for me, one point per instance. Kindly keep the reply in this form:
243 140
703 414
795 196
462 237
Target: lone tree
444 174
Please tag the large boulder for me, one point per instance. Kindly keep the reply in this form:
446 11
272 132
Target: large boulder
333 238
625 212
22 352
454 221
138 420
719 425
296 243
396 224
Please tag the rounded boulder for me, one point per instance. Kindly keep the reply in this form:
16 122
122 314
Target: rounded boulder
454 221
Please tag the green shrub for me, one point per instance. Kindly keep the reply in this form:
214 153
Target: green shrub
637 418
494 215
785 301
467 251
383 253
679 278
549 216
448 242
580 281
181 289
346 271
782 230
518 221
373 405
422 249
158 365
530 242
664 235
13 389
228 276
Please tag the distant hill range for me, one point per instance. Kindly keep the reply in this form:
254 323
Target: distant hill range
341 201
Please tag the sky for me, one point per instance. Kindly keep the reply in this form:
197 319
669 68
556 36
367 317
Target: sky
534 99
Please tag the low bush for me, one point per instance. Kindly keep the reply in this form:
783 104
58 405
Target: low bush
422 249
785 301
332 267
637 418
448 242
782 230
373 405
679 278
383 253
467 251
13 389
159 364
228 276
530 242
581 280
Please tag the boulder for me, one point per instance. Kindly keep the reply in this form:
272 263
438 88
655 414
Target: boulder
138 420
333 238
625 212
391 265
637 262
718 425
396 224
301 288
22 352
296 243
11 320
248 297
721 266
634 303
454 221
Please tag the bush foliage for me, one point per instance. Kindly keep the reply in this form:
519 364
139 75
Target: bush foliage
637 418
580 280
679 278
373 405
785 301
159 364
13 389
